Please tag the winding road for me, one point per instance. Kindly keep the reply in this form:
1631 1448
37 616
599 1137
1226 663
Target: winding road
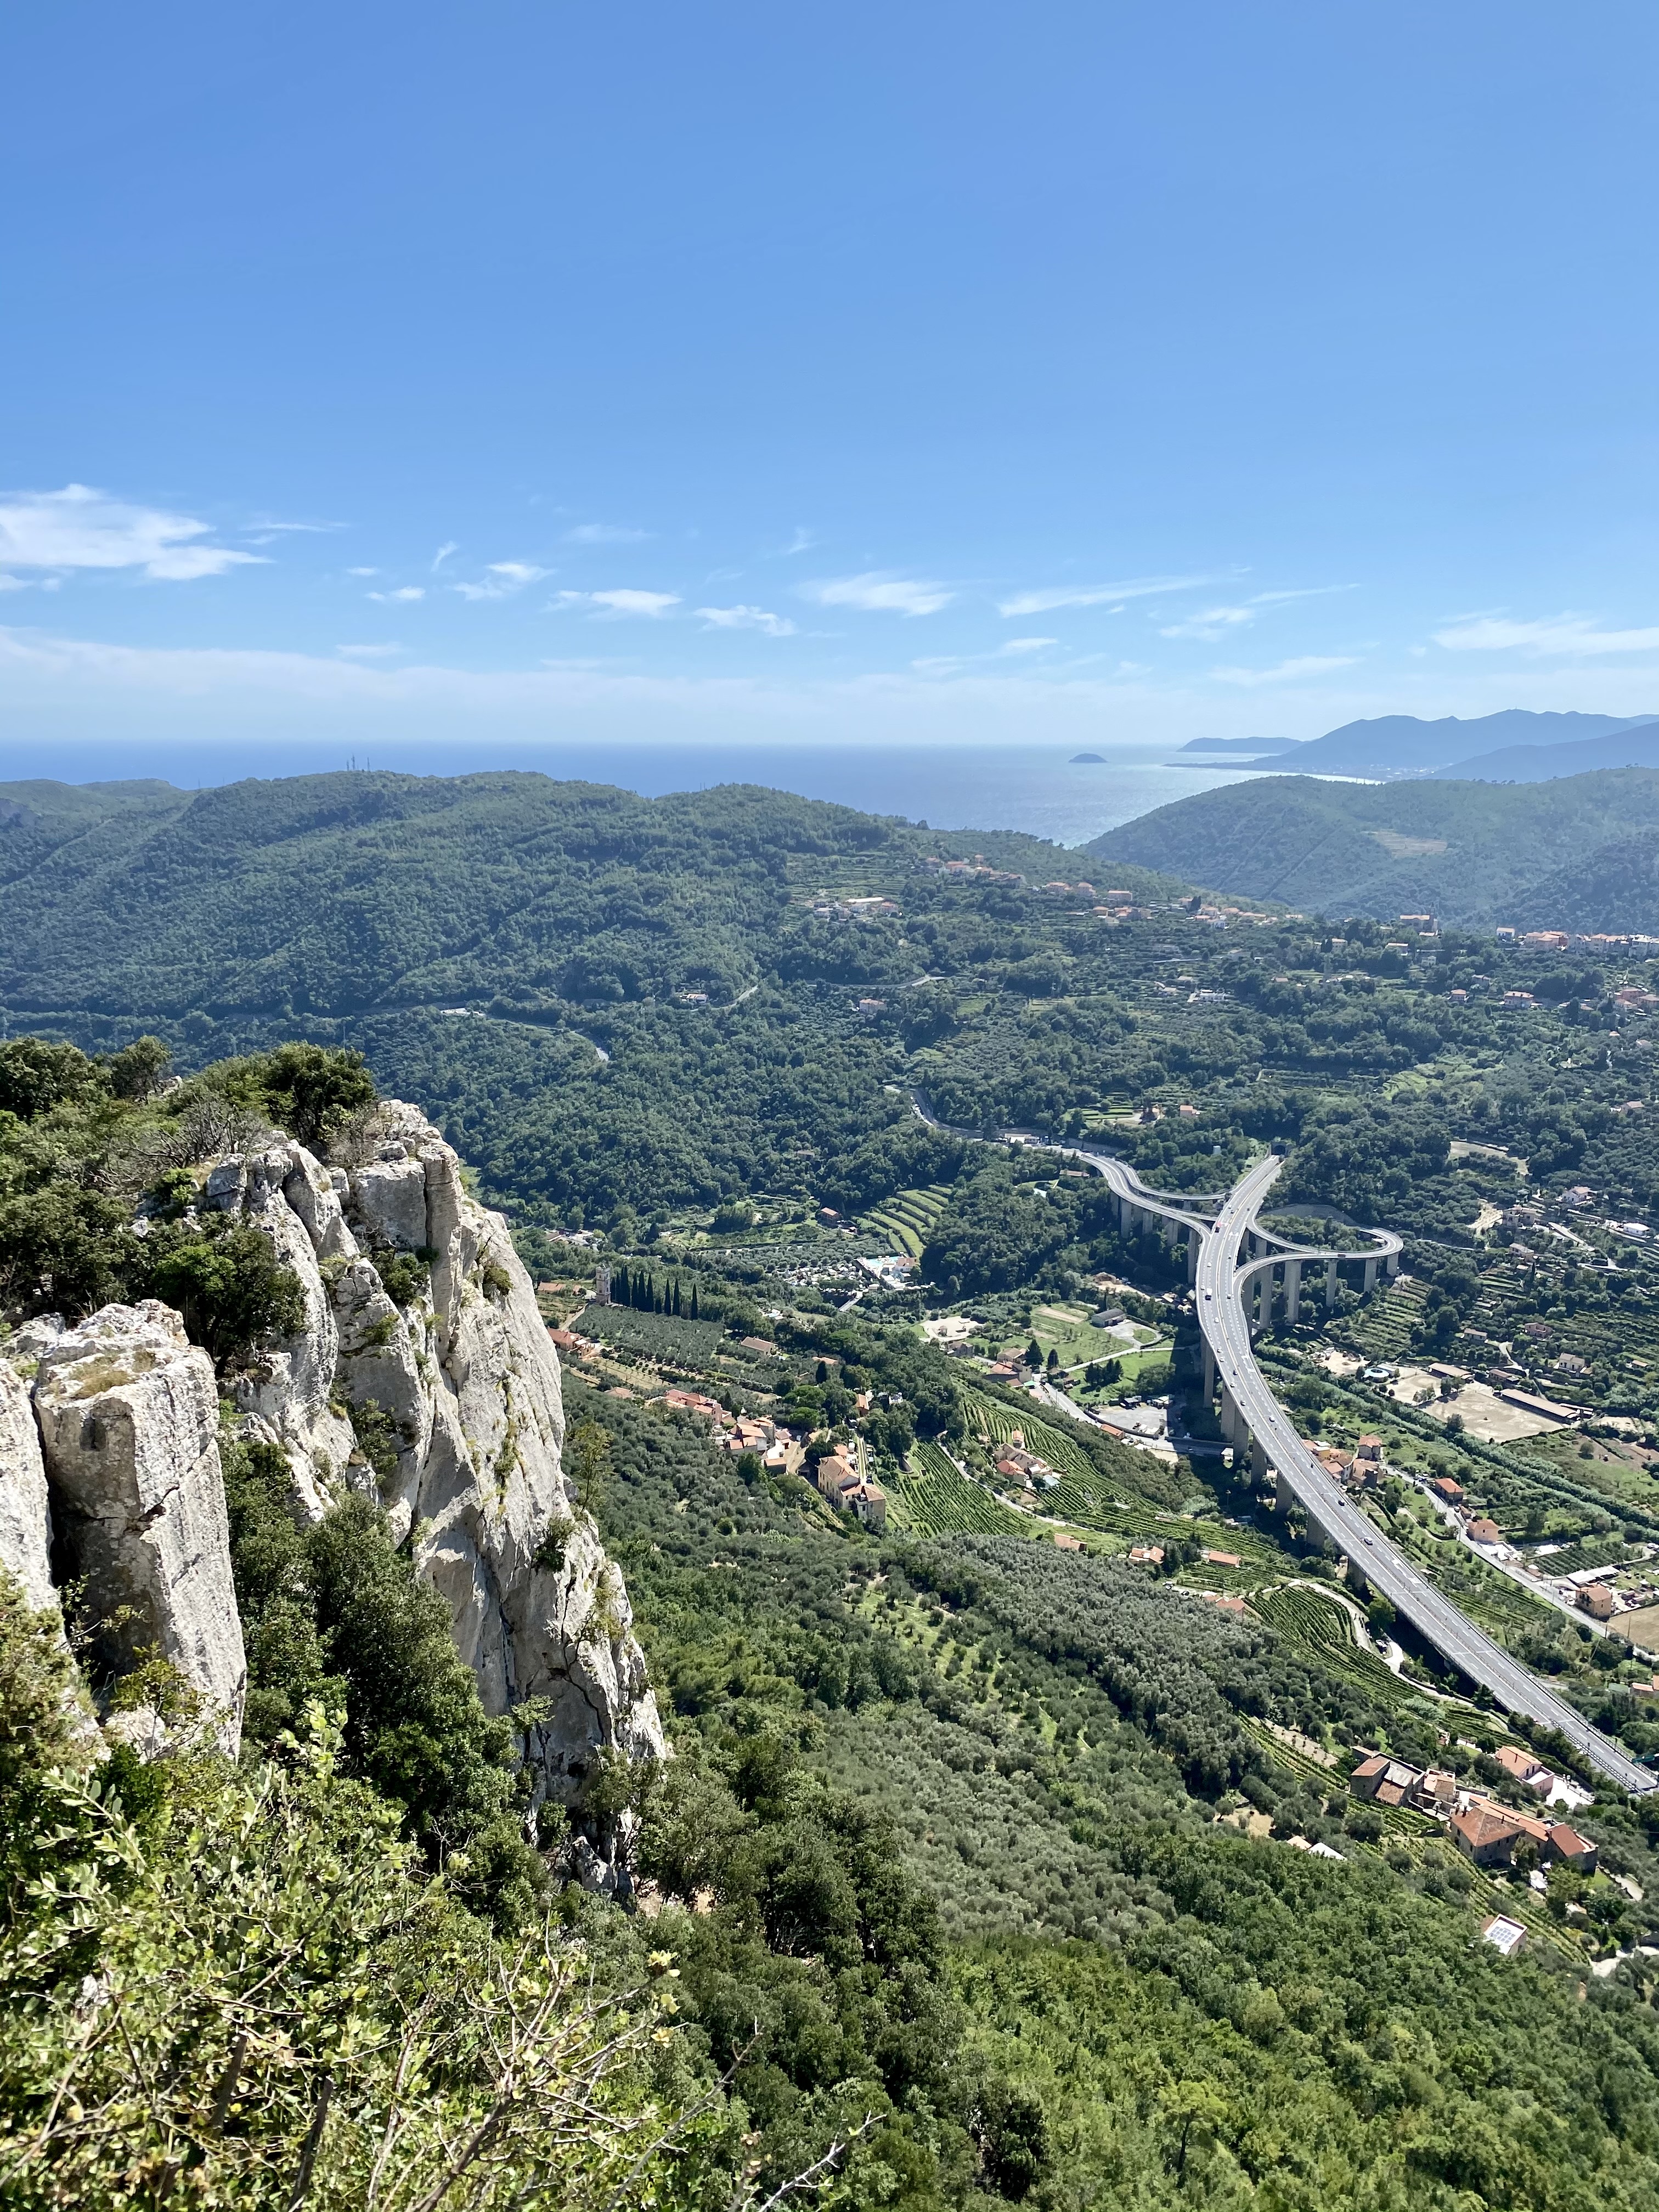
1231 1263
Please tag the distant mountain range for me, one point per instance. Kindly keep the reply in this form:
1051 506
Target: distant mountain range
1239 747
1580 854
1515 746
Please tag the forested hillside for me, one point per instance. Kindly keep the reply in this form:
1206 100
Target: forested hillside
1542 854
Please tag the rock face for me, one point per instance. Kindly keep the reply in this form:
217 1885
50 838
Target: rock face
25 1513
456 1425
422 1377
287 1400
128 1412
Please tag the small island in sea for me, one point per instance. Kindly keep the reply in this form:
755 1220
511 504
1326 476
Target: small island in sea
1088 760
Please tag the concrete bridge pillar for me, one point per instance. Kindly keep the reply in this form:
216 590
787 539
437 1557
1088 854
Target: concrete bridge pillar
1370 1276
1191 1256
1293 1289
1393 1263
1258 1460
1229 1416
1209 1372
1330 1286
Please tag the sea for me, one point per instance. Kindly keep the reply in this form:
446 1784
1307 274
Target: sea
1042 790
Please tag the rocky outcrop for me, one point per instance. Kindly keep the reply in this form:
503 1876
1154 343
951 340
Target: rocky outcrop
127 1411
24 1511
423 1376
457 1426
287 1398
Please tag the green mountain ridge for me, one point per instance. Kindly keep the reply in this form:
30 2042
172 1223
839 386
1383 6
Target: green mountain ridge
1565 854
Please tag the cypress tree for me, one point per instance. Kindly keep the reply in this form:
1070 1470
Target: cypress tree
694 1302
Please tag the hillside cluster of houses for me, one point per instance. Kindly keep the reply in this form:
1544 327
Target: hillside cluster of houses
1488 1833
838 1478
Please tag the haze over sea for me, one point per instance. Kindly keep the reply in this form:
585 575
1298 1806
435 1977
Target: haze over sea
1036 788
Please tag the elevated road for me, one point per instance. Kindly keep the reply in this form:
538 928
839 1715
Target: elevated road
1249 1405
1231 1262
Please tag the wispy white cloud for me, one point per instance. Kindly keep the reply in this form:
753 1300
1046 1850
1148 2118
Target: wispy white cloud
1212 624
878 592
502 578
1016 648
1309 591
266 531
369 652
81 528
449 546
362 572
1100 595
1578 635
649 604
605 533
403 594
748 618
802 542
1287 671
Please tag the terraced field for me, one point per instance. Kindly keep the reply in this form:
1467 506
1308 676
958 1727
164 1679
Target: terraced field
1304 1616
907 1217
932 1498
1383 1328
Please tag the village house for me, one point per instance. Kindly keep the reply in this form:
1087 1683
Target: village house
1517 1761
867 1501
693 1401
836 1475
1505 1936
750 1436
1369 1447
1482 1531
1384 1781
1443 1487
1487 1834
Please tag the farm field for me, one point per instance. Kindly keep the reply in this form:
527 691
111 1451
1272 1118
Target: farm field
1066 1329
930 1496
907 1217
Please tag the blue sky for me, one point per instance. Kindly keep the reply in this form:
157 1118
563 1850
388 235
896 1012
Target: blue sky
1066 372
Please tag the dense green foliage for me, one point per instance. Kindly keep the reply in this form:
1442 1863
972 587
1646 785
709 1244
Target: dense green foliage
98 1196
336 1617
242 1989
1557 856
1180 2009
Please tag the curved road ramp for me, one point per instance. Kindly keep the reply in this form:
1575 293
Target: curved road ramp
1236 1268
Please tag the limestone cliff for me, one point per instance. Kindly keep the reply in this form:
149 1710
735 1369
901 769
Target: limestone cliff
421 1377
25 1510
455 1395
128 1412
